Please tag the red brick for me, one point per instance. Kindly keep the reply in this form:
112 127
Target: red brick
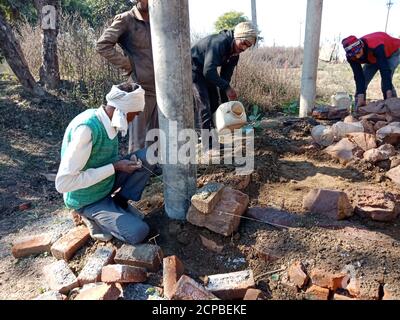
364 289
317 293
297 275
91 273
333 204
207 197
100 292
51 295
329 280
365 141
146 256
173 269
226 216
188 289
394 175
231 286
32 245
67 245
253 295
59 277
123 274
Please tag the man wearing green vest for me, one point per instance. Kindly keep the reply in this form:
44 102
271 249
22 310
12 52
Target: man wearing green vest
95 183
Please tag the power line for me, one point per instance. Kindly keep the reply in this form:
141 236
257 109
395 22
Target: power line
389 5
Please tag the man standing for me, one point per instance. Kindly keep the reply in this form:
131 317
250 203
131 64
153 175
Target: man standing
131 31
95 183
377 51
219 50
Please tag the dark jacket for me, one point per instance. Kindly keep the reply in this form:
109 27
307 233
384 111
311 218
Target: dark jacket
378 48
212 52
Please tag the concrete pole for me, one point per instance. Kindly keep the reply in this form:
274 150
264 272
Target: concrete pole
170 32
311 52
254 12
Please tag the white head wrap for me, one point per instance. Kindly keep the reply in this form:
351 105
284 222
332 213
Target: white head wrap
124 102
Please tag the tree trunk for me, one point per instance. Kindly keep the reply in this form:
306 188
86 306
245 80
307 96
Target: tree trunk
11 50
50 23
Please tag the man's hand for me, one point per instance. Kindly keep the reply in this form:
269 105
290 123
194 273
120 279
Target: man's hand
361 101
231 94
389 94
127 166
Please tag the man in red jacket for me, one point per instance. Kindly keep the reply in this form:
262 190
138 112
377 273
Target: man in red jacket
377 51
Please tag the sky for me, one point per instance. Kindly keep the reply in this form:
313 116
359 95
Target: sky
282 21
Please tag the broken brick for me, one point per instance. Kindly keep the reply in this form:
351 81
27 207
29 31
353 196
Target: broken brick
364 289
226 216
188 289
146 256
91 272
59 277
207 197
32 245
100 292
297 275
377 205
333 204
173 269
365 141
67 245
329 280
389 134
382 153
317 293
231 286
51 295
117 273
344 150
254 295
394 175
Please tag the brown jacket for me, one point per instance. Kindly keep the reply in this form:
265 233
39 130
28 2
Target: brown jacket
132 34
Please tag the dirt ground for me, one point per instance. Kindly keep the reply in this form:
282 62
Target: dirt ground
286 169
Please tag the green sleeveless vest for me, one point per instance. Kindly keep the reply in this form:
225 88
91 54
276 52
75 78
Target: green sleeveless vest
104 152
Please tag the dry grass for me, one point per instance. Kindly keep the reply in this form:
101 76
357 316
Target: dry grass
268 76
87 75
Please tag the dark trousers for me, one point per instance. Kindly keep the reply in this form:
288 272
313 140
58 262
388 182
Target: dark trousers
114 219
206 101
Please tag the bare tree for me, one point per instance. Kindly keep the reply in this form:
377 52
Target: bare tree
12 52
49 13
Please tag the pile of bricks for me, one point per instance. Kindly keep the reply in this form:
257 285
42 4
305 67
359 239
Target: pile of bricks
104 272
321 284
218 208
231 286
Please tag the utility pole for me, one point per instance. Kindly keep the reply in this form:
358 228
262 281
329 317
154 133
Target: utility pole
311 52
389 5
170 33
254 12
